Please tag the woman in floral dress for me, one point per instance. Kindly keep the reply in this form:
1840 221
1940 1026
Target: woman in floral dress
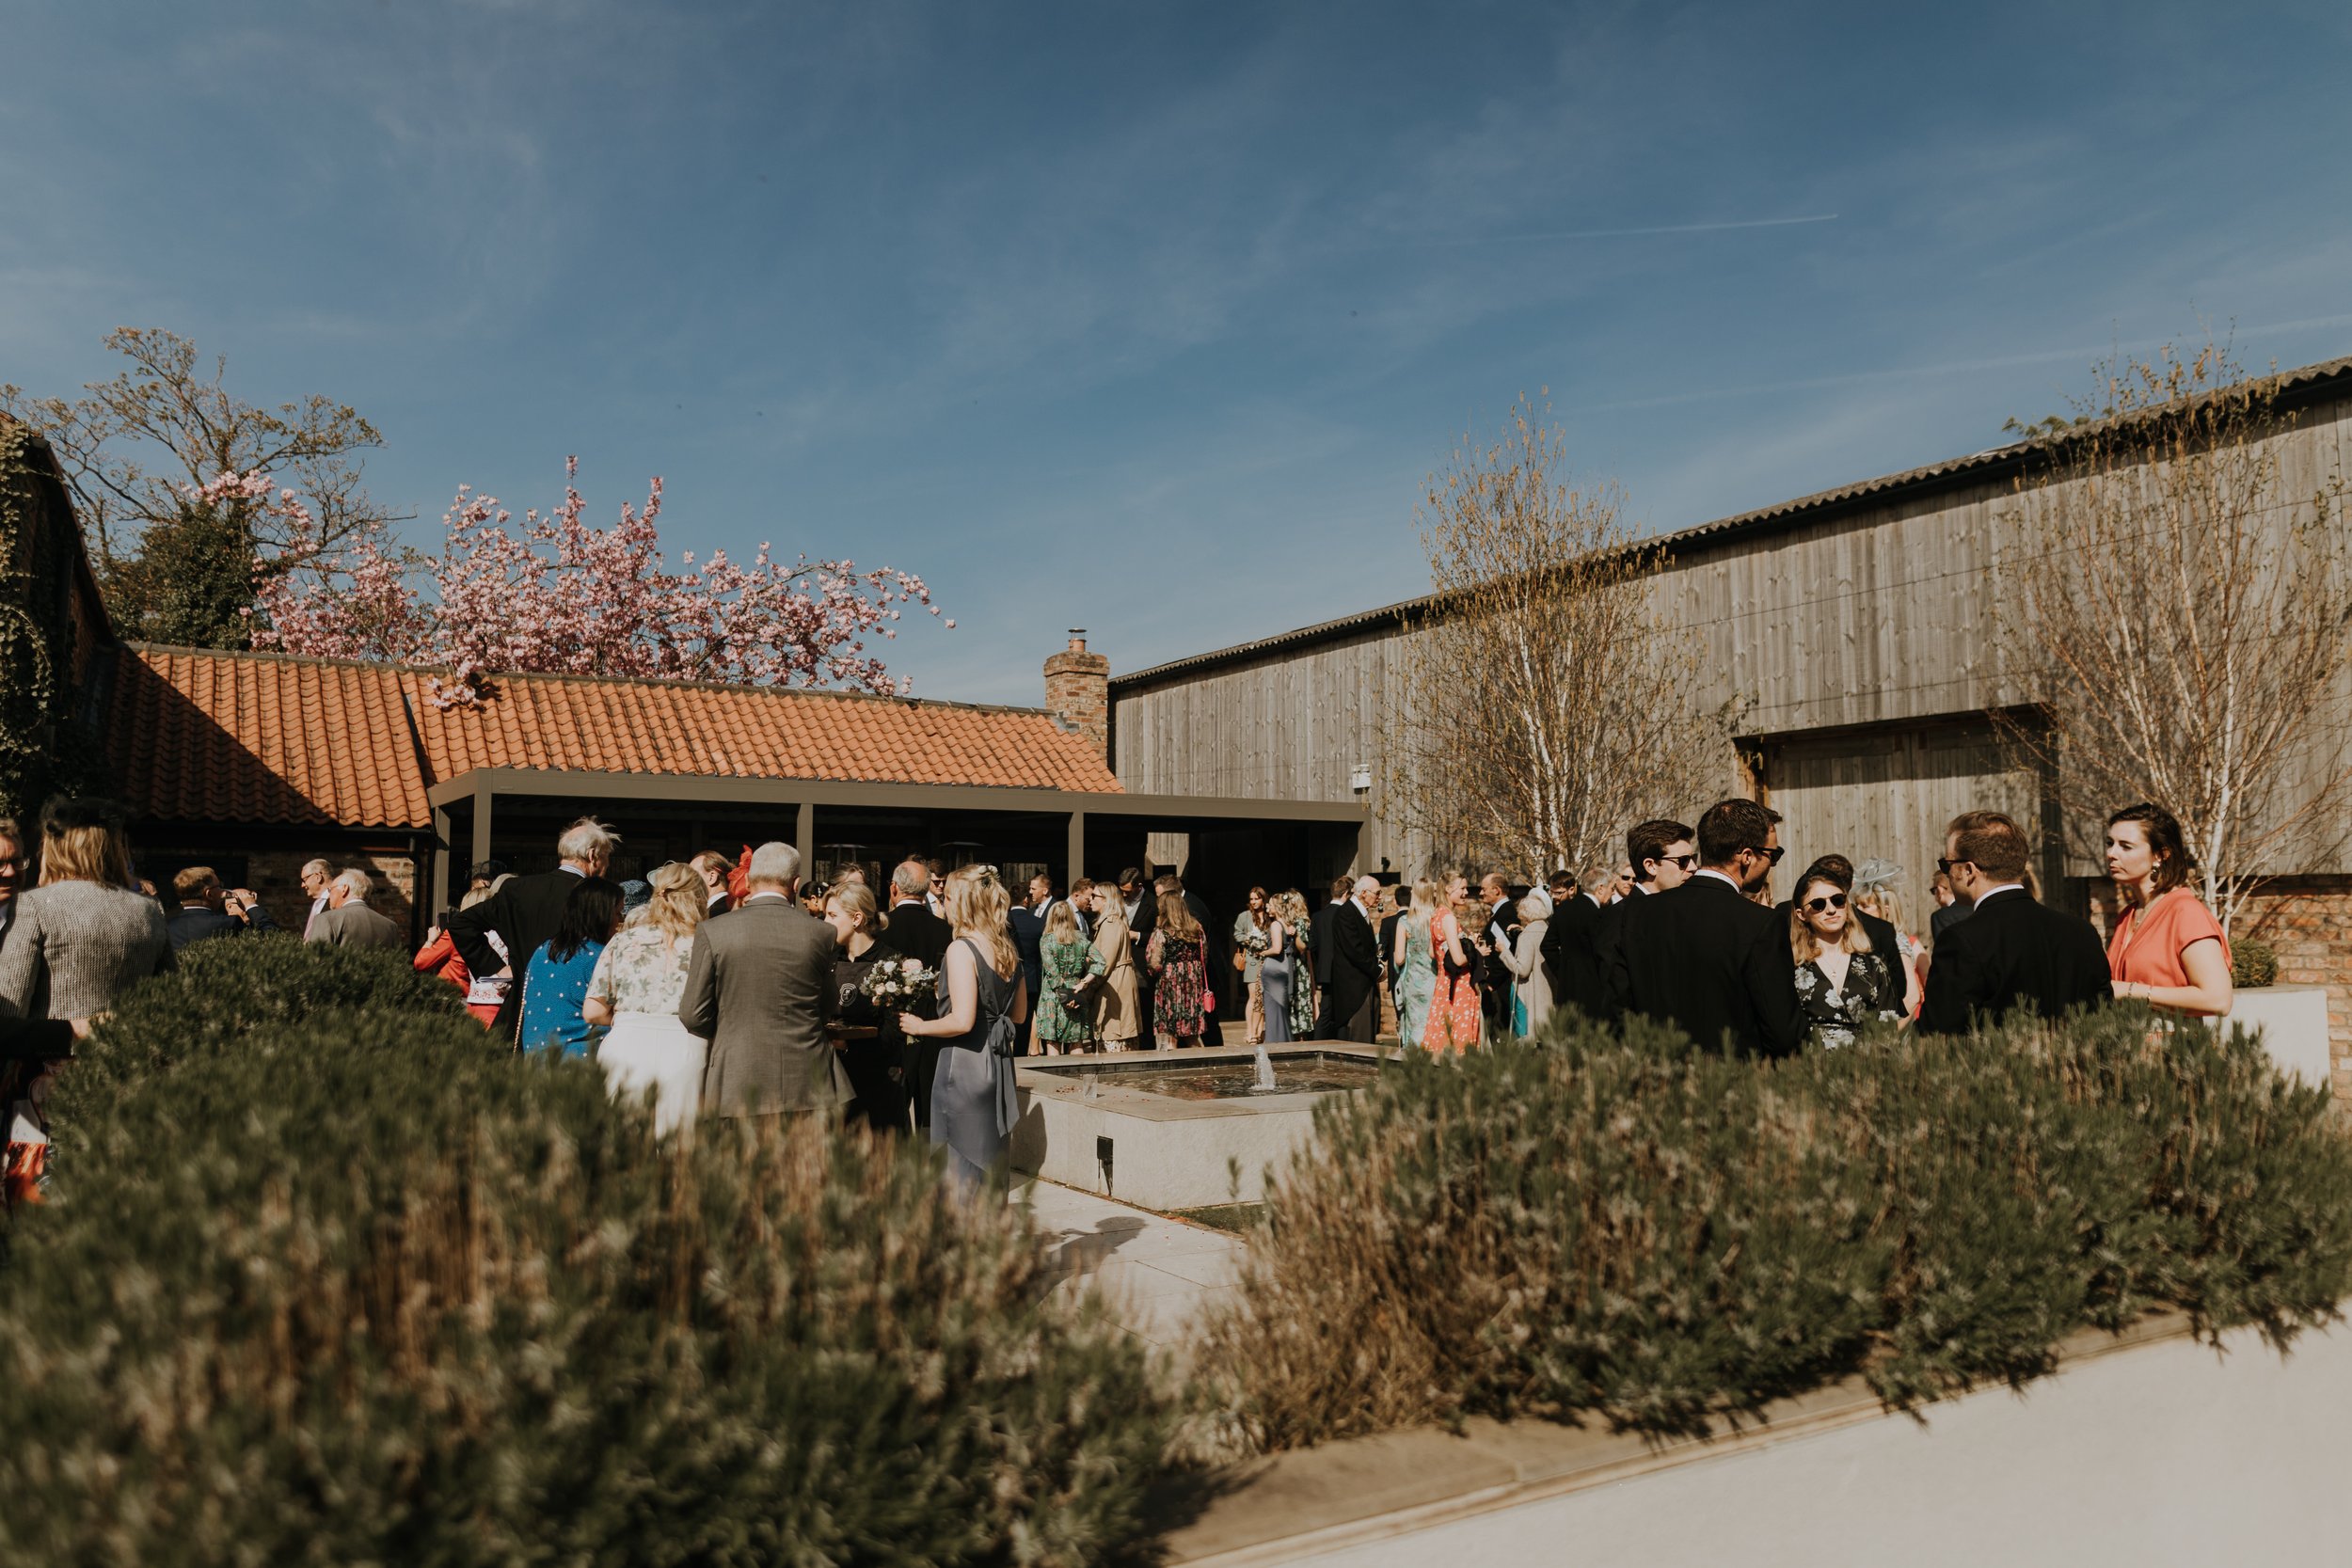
1072 971
635 988
1177 956
1294 913
1453 1023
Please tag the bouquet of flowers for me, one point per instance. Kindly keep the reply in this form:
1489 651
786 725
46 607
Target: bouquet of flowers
904 987
1256 944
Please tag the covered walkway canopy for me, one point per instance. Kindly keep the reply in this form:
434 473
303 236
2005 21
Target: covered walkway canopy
514 814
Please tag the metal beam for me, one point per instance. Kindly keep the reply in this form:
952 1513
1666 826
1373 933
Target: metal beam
1077 849
696 787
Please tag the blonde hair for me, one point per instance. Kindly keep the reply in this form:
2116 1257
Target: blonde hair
977 906
857 898
1885 905
678 899
1061 921
93 853
1425 906
1803 944
473 895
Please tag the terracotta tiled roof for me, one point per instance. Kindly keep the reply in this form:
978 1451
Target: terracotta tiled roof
628 726
202 736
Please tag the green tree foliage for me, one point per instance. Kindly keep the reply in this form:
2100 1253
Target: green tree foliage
1619 1228
335 1286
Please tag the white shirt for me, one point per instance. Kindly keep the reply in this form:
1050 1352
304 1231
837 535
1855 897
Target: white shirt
763 893
2005 887
1597 903
1711 871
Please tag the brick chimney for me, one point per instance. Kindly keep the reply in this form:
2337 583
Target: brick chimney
1078 691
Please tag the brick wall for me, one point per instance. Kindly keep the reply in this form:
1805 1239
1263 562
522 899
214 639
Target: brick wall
276 877
1078 692
2308 923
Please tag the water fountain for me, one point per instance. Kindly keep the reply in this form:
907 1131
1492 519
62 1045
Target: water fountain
1176 1125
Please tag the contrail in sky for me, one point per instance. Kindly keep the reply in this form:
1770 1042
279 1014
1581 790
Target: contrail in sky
1618 233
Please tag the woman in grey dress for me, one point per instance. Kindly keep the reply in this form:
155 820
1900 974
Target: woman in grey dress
86 934
1276 974
982 1003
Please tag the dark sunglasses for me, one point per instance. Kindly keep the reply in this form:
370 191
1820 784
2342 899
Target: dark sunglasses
1773 854
1685 861
1945 867
1823 905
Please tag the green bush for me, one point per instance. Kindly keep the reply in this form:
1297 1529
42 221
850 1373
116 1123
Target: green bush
224 991
2253 964
1619 1226
354 1289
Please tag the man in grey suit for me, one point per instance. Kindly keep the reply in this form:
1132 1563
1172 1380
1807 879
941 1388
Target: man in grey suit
758 987
347 921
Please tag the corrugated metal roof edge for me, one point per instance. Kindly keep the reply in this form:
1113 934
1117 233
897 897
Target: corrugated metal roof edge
2295 389
389 669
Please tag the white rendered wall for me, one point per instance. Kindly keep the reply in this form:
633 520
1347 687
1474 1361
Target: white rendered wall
2157 1456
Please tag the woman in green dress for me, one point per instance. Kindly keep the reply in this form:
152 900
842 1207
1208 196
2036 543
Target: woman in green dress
1072 971
1415 961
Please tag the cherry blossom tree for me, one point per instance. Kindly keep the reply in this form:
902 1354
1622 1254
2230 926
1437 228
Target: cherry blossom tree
555 595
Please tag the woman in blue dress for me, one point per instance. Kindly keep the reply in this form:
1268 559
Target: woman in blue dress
555 982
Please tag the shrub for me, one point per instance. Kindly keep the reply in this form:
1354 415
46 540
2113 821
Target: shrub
353 1289
2253 964
1621 1227
226 990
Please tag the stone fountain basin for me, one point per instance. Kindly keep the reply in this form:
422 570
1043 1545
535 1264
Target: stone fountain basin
1177 1122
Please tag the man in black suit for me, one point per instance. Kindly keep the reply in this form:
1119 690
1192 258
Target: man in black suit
916 933
1354 964
1320 951
1573 946
1027 926
2011 951
1496 988
526 911
1705 956
1404 891
207 909
713 867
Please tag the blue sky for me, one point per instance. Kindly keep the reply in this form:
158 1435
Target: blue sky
1153 317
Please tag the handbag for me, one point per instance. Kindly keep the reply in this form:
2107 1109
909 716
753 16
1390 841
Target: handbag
1241 961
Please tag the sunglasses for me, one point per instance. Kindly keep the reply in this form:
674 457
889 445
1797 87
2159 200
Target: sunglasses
1822 906
1685 861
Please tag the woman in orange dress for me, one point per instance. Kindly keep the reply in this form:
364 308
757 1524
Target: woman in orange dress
2168 950
1452 1023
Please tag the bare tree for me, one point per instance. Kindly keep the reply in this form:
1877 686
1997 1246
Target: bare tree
2184 605
135 447
1547 704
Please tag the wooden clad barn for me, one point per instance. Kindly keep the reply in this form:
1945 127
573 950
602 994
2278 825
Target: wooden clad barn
1858 624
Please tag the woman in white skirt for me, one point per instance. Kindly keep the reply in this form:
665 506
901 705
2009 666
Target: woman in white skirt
635 991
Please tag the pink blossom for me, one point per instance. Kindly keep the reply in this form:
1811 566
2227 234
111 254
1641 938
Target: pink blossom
562 596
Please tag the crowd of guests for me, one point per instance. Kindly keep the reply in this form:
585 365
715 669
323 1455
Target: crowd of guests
725 988
1685 932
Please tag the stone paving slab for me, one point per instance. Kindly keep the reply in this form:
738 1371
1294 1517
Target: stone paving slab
1159 1275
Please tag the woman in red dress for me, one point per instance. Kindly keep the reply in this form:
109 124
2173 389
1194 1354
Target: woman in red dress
2168 950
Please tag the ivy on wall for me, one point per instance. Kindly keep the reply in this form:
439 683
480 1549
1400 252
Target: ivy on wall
41 753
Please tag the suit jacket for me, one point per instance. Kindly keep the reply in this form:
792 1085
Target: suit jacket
719 904
1572 956
185 926
1028 931
34 1039
759 989
1710 961
2011 952
524 913
1355 958
1319 944
918 934
354 925
1388 945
